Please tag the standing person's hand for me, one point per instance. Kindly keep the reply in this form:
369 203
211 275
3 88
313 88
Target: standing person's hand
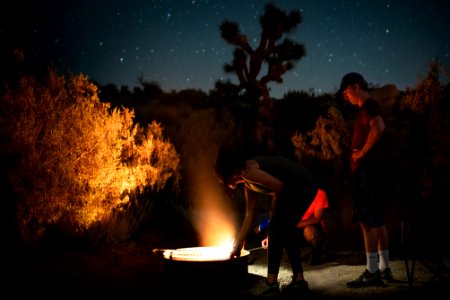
265 243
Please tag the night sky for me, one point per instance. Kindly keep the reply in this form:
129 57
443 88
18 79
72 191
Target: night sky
178 44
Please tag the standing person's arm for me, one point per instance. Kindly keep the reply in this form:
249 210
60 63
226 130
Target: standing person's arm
376 129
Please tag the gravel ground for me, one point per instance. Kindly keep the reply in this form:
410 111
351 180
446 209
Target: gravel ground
328 280
136 271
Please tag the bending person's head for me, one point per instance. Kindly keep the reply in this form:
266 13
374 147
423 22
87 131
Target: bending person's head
229 163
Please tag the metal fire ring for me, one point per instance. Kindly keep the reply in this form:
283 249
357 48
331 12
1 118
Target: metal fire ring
200 254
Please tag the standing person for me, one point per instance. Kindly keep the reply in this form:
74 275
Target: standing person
367 204
292 188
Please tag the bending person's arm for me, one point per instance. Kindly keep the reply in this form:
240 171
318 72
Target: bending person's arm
250 205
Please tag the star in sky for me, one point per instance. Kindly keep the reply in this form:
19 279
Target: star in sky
178 44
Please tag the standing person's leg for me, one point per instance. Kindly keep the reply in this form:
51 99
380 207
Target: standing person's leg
370 243
383 238
371 276
383 254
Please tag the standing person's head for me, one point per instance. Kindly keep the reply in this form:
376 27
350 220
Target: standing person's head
353 87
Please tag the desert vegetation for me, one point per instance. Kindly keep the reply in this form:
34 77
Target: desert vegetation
86 160
74 161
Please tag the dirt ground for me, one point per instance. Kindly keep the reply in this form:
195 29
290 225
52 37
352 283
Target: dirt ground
55 271
135 270
328 280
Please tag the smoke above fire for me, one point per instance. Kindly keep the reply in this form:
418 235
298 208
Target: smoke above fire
213 218
212 213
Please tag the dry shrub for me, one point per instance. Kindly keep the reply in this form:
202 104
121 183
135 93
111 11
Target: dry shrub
76 159
427 91
327 141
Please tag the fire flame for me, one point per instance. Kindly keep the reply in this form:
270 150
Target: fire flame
213 222
212 215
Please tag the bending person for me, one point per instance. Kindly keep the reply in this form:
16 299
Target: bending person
292 188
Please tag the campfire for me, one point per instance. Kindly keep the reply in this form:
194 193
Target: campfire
217 253
204 261
215 222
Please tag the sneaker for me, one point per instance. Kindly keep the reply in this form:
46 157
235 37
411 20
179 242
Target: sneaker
263 289
366 279
295 289
386 275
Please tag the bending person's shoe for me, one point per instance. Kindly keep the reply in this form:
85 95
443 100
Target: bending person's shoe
295 289
265 290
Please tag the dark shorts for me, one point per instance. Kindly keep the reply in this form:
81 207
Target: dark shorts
367 206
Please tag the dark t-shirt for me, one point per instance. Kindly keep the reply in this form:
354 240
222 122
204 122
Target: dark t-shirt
299 189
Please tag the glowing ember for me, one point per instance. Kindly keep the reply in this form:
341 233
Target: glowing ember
201 253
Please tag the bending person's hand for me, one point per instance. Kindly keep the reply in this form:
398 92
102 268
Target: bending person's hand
236 252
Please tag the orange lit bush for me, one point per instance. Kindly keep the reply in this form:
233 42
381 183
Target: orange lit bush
427 92
76 160
327 141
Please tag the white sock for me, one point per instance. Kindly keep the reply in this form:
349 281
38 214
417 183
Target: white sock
372 262
383 259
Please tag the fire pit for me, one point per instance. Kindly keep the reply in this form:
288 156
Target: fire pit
204 260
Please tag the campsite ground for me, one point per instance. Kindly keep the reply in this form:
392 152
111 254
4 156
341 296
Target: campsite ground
133 269
57 269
